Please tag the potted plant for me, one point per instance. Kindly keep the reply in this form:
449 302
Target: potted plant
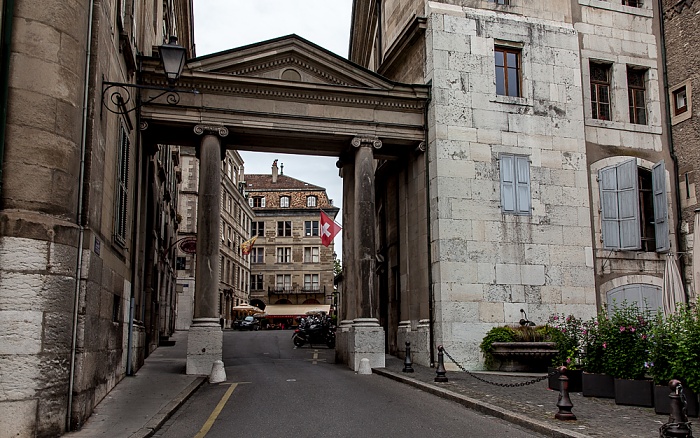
518 348
674 353
594 381
626 355
566 332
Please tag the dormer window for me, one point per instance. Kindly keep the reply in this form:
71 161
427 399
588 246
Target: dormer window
256 201
311 201
284 201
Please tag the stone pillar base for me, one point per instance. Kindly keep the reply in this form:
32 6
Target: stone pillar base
419 337
341 341
204 345
366 341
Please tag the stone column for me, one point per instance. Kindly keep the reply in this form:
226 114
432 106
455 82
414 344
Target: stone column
205 339
366 338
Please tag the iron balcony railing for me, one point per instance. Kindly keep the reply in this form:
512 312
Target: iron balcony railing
296 290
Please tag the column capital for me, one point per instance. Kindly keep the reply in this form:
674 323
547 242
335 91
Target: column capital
221 130
367 140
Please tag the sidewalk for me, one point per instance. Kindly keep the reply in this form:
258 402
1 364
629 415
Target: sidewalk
532 406
140 404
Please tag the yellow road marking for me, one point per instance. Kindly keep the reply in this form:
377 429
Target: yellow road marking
210 421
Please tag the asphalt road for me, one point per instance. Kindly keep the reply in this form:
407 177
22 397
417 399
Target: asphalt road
277 390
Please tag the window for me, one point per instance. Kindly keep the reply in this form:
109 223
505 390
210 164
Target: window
256 201
257 255
230 236
229 170
284 228
229 204
600 90
310 228
256 282
680 101
284 201
311 254
180 263
637 99
284 255
633 206
644 296
500 2
257 228
311 201
311 282
634 3
515 184
122 186
283 282
507 71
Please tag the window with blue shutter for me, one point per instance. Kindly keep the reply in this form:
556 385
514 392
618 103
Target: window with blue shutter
515 184
644 296
658 178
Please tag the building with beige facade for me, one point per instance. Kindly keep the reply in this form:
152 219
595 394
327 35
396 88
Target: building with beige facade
288 263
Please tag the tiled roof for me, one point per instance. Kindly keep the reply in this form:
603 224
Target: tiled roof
284 182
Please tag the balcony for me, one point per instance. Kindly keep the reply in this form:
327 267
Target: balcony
296 290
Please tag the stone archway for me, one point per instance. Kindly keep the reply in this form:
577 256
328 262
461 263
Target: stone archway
247 99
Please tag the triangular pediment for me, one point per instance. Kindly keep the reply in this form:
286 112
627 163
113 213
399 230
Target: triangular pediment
290 58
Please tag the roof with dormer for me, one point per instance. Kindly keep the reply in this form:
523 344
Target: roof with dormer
257 182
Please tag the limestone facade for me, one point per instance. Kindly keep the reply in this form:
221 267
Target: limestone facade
488 258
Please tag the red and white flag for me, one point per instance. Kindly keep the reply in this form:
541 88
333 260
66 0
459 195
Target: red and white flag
328 229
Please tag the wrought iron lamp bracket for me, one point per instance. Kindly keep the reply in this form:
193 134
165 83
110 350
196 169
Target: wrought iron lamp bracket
116 96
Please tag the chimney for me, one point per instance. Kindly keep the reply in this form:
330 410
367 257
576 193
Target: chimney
274 171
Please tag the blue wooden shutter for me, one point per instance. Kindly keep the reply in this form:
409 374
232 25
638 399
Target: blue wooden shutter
628 205
508 204
522 186
658 182
607 180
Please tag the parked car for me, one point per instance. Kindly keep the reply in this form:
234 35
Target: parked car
249 323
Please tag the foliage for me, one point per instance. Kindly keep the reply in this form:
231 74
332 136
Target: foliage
567 333
662 348
512 334
675 348
593 344
626 342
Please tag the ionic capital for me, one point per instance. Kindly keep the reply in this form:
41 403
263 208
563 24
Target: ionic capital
221 130
367 140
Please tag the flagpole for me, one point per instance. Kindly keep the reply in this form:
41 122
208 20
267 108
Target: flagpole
333 219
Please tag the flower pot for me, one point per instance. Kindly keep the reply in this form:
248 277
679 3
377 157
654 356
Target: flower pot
524 356
662 403
575 379
634 392
598 385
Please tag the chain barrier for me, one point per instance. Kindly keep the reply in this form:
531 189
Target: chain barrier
504 385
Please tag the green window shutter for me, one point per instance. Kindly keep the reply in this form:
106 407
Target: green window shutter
628 206
607 180
658 179
508 204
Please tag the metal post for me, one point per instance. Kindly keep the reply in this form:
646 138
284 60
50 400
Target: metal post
677 425
407 363
564 403
441 377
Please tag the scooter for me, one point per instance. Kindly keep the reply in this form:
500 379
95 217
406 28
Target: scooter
314 331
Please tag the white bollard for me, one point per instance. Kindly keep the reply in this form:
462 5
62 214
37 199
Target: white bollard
218 374
364 367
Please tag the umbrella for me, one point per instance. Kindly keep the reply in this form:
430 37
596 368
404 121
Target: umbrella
696 253
672 292
247 308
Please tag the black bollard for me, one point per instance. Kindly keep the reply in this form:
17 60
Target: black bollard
407 363
677 425
441 377
564 403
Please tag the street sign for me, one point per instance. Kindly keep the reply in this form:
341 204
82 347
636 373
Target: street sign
189 245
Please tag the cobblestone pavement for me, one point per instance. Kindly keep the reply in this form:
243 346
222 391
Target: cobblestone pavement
596 417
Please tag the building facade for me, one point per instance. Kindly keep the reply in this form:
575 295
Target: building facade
236 215
87 210
539 110
288 263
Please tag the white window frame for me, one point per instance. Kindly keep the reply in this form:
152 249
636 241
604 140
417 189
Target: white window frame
515 184
311 254
310 230
311 201
284 254
284 201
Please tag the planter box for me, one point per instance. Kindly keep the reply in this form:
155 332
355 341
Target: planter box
598 385
662 404
524 356
575 379
634 392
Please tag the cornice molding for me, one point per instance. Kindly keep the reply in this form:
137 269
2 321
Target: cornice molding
413 29
289 60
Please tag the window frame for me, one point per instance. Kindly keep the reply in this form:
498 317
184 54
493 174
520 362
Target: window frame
312 282
597 85
257 230
283 255
505 50
284 228
312 201
121 198
257 282
285 285
285 201
311 228
633 90
677 111
515 182
312 254
257 255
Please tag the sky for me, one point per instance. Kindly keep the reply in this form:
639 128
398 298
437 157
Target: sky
225 24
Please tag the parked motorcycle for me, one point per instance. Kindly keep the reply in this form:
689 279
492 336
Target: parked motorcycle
315 329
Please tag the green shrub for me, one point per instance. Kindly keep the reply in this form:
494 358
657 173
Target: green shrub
626 342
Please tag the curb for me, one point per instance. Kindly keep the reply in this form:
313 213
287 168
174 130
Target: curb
164 414
483 407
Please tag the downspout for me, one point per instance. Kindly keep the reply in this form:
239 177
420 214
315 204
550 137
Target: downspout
679 215
431 297
8 15
380 37
80 218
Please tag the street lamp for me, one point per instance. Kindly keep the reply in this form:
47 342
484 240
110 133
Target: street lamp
172 58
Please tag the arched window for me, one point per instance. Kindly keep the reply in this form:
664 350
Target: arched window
644 296
284 201
311 201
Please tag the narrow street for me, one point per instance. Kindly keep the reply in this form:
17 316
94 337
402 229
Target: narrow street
274 389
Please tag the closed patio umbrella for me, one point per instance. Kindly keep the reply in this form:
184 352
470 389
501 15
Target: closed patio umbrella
672 291
696 253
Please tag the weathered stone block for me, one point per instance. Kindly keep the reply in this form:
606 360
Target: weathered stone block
20 332
17 419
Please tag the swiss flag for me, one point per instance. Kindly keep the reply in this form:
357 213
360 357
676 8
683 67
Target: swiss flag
328 229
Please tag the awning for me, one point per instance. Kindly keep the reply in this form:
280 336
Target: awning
294 310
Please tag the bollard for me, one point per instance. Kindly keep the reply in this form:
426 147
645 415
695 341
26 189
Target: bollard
677 425
441 377
564 403
407 363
